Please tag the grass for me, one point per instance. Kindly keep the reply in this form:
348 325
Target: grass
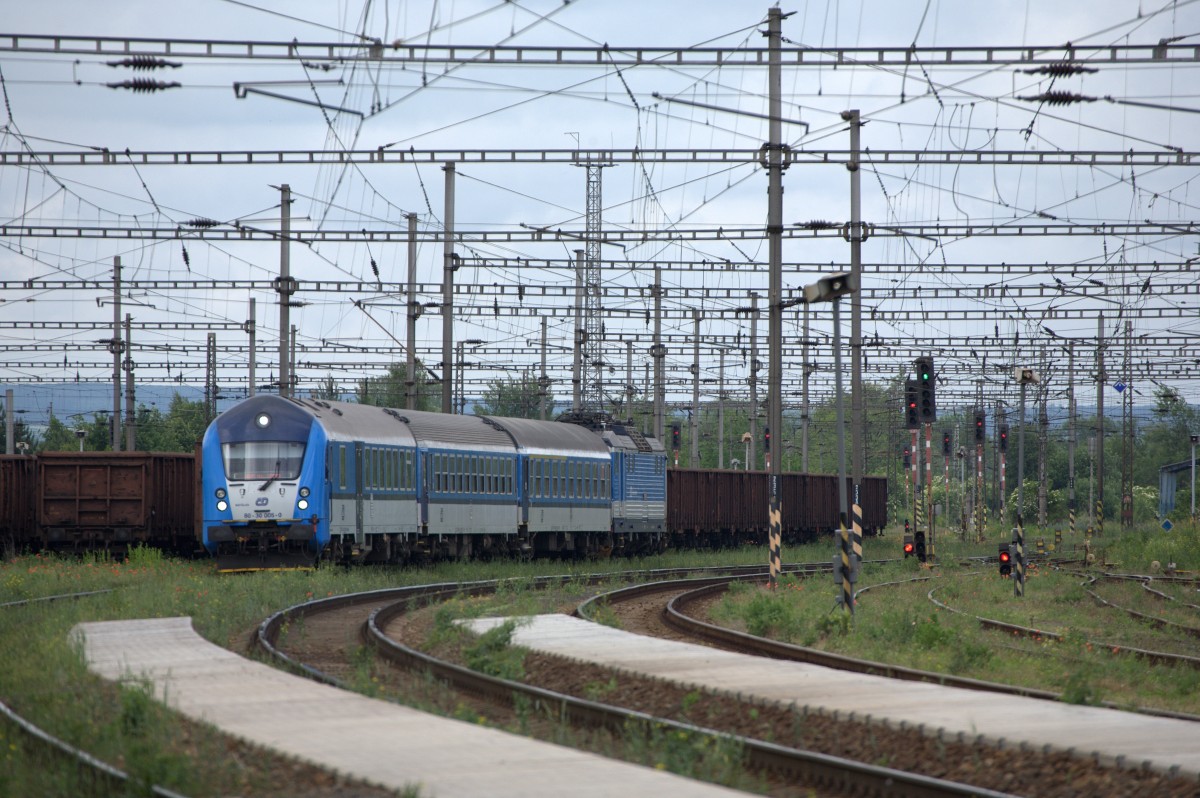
44 679
898 624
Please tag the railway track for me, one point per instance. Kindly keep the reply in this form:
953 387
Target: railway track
376 613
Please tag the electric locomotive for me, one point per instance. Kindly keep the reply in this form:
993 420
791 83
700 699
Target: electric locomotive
289 481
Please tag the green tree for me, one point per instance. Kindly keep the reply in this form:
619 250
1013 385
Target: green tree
514 398
21 433
328 389
59 437
389 390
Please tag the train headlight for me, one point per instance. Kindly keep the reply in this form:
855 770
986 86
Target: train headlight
263 420
304 492
222 505
302 504
220 493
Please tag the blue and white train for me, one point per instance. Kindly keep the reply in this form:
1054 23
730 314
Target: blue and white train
287 482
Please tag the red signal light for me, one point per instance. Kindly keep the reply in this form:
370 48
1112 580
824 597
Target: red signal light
908 548
1004 557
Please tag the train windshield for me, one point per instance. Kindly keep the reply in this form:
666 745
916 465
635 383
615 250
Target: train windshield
262 460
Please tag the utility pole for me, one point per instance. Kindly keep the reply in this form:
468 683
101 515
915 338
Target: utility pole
1043 440
543 380
751 454
286 287
115 348
577 353
449 266
855 236
414 313
130 394
210 379
251 328
1071 438
659 353
721 412
804 408
1127 432
775 167
1101 378
694 428
629 389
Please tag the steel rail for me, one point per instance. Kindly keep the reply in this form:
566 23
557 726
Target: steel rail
1153 620
857 778
111 775
1154 657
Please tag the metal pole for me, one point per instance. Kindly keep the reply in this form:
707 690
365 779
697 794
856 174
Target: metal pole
292 362
804 409
629 391
448 268
1101 377
847 595
857 410
543 381
775 168
286 288
721 413
414 312
577 357
658 353
752 454
251 327
694 427
1193 482
130 416
1071 438
116 353
1021 457
10 422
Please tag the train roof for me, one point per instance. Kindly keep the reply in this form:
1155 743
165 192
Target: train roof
450 431
349 421
626 438
551 437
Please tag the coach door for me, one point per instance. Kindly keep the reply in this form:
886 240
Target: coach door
359 537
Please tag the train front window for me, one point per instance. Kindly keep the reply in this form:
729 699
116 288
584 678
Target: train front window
262 460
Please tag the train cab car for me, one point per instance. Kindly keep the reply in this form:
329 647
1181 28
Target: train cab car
639 487
262 486
565 486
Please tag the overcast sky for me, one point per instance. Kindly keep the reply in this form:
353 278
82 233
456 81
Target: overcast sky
57 102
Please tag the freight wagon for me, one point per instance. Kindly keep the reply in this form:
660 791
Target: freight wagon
77 501
722 507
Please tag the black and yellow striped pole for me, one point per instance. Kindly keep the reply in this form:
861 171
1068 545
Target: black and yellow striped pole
1100 517
856 530
775 533
847 568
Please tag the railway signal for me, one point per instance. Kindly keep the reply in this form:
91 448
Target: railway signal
1005 560
911 415
979 426
1004 437
946 443
909 548
675 437
919 545
926 401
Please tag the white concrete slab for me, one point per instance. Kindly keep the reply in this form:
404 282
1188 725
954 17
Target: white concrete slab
378 741
1165 742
